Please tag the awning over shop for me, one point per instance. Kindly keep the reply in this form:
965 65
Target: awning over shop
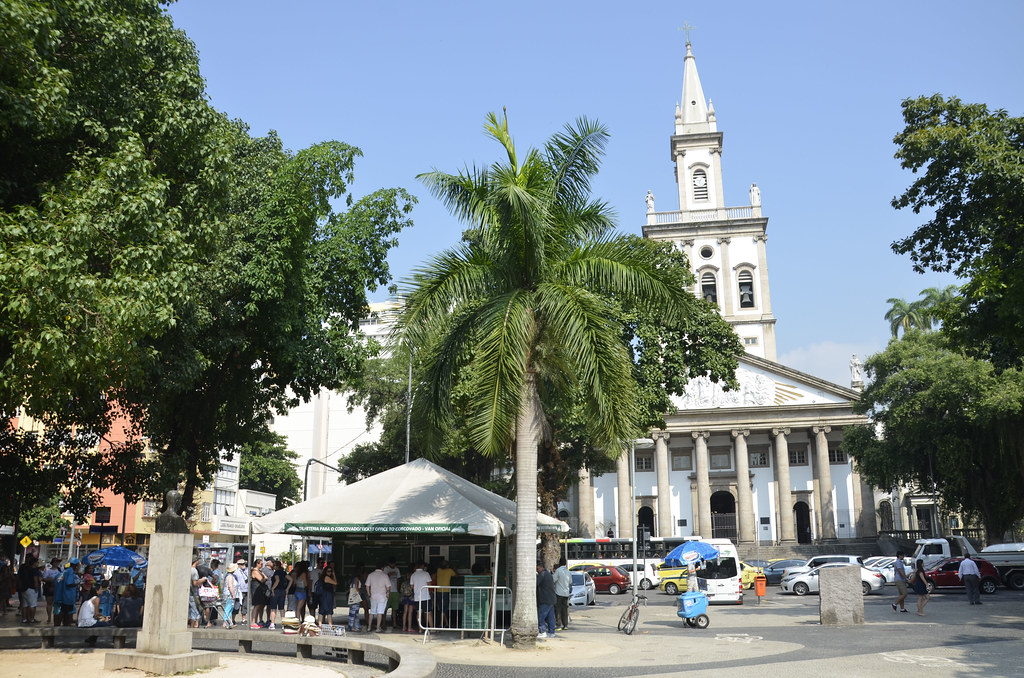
416 498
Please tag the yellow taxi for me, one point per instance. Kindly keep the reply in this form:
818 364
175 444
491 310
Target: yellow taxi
673 580
749 570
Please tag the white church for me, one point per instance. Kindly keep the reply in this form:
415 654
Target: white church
764 463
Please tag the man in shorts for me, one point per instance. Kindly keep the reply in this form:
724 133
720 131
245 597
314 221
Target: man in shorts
420 580
378 585
900 574
444 576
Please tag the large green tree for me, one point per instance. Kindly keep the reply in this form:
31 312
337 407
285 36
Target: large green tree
111 183
943 417
971 183
276 307
531 303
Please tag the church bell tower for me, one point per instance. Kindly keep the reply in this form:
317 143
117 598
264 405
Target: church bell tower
725 245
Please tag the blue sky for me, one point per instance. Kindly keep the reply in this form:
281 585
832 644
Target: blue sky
807 94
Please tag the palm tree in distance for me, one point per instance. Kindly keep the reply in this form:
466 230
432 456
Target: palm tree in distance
922 314
532 296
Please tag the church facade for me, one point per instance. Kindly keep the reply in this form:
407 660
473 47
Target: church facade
761 463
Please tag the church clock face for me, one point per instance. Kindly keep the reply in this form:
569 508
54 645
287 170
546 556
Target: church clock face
699 180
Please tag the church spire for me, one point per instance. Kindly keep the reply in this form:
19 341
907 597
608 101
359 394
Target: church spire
692 114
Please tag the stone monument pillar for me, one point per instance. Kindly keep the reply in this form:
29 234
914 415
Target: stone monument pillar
840 598
164 645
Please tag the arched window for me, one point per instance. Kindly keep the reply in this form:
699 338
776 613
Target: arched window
700 184
885 516
709 287
746 282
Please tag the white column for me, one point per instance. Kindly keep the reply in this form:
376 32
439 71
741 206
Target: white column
624 517
700 453
661 462
745 511
785 507
585 505
727 276
828 517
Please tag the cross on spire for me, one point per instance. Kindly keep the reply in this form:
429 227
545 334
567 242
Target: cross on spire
686 29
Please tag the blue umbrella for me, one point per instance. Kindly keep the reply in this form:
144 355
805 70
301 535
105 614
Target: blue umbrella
690 552
115 556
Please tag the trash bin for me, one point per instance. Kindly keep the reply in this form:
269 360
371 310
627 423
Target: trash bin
760 582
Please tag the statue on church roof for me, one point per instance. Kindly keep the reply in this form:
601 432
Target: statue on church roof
855 368
649 199
755 195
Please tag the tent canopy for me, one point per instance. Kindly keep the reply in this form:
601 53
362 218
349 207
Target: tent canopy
415 498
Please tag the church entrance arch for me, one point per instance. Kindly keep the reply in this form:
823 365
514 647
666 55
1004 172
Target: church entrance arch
723 515
802 517
645 518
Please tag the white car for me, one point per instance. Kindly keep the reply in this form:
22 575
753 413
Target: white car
818 561
803 583
884 565
583 591
648 575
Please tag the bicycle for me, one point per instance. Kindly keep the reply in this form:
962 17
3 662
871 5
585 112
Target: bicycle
629 618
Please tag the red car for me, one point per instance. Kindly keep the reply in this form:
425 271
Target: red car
943 575
609 578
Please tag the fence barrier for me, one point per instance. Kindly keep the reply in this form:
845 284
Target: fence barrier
483 609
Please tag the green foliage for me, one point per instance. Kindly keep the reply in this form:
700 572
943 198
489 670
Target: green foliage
43 521
275 306
267 465
947 417
971 162
110 188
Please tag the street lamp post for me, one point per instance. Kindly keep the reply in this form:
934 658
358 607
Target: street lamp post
305 480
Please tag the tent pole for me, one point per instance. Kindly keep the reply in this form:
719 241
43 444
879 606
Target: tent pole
494 580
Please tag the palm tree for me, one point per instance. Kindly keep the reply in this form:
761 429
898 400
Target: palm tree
533 297
933 299
906 316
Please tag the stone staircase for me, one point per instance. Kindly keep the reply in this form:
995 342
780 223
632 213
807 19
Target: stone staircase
854 547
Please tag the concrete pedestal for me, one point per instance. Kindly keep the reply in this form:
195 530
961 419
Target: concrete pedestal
841 596
164 644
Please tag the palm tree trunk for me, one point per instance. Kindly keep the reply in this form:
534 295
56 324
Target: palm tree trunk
524 612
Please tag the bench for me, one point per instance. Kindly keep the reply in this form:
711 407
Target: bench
47 634
404 661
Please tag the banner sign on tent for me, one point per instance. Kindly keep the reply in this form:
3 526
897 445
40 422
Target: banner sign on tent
456 528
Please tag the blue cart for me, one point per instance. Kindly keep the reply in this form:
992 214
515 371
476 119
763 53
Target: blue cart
693 607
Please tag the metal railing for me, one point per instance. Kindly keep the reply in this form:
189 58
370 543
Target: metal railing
478 609
702 215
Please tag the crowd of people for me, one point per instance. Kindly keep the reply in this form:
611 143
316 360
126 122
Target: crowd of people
72 593
307 594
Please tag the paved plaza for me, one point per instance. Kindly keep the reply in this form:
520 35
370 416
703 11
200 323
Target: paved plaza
781 637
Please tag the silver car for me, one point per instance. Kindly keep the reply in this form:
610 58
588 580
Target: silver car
583 591
803 583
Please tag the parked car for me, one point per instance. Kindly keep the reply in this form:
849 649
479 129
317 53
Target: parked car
647 575
802 583
750 570
673 580
773 570
583 590
609 578
884 565
943 575
818 561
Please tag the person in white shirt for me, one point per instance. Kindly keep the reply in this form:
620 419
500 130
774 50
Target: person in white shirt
89 617
970 575
420 580
378 585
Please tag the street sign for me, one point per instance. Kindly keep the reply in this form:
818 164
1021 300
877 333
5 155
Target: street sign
25 542
129 540
263 550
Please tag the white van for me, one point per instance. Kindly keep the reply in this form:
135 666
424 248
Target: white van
723 574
